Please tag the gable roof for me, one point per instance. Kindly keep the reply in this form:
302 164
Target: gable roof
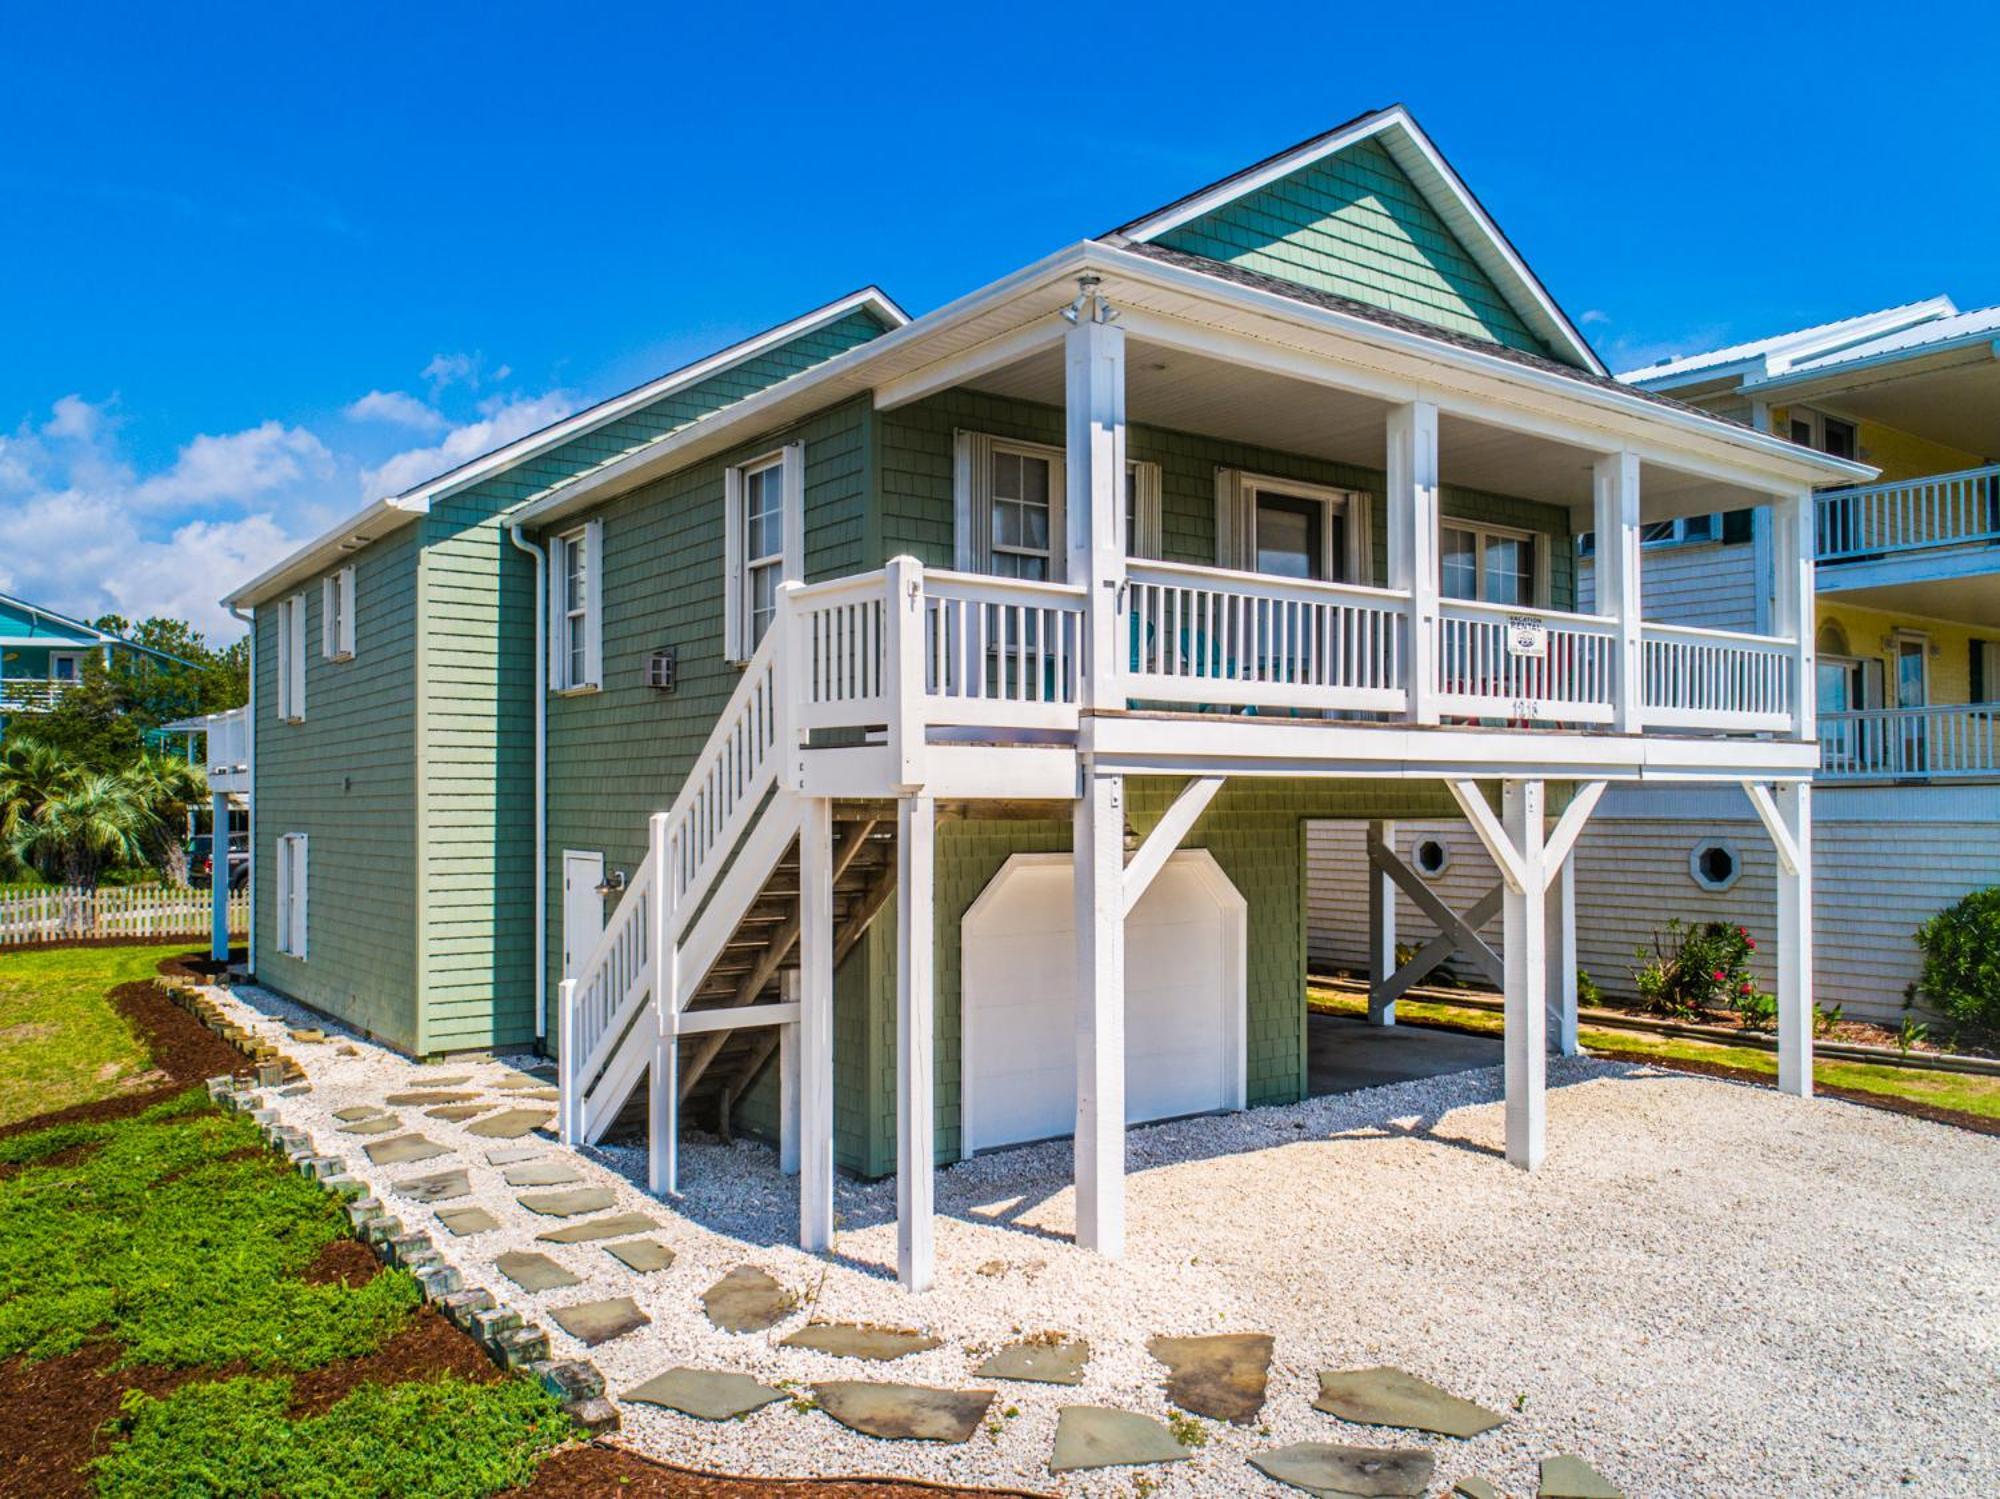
1443 190
1766 357
1980 325
87 634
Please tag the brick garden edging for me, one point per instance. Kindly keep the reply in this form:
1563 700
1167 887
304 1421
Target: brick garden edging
511 1342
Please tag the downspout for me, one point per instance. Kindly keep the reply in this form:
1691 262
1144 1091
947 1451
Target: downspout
541 778
249 621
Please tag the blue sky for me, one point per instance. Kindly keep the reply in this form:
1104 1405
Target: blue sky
262 264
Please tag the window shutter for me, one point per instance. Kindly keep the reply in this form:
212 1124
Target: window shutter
558 569
732 566
329 616
593 604
347 611
971 493
296 651
302 890
795 512
1232 520
283 850
1149 542
283 661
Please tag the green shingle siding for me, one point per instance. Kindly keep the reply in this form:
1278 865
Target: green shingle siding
1354 224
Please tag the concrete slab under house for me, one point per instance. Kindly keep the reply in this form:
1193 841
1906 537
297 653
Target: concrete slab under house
896 737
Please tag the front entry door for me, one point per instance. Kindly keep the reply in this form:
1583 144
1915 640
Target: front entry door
583 907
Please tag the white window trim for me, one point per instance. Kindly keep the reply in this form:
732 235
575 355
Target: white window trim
75 657
1150 543
1236 492
292 659
1543 580
739 641
1815 423
563 623
972 497
294 886
1735 864
336 615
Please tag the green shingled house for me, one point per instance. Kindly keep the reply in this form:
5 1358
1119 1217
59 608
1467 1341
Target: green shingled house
893 736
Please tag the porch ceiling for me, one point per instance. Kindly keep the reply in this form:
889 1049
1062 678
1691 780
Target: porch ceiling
1956 402
1962 587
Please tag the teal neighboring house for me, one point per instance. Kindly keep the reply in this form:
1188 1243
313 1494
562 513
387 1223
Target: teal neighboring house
42 655
893 737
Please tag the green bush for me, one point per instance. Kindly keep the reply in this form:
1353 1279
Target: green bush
1961 948
1692 970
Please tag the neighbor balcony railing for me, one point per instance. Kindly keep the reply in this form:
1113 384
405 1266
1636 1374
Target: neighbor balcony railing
1909 515
1948 741
30 695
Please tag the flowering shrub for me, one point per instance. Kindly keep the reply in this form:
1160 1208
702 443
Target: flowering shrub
1961 946
1692 970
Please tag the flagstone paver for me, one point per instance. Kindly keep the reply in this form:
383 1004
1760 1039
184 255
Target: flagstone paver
617 1226
1568 1476
405 1149
510 1124
443 1186
1222 1377
642 1255
707 1395
1335 1472
1475 1487
533 1272
453 1080
1096 1436
1038 1361
464 1221
359 1111
572 1202
860 1340
373 1124
455 1112
747 1300
543 1173
1394 1397
507 1155
307 1034
904 1412
420 1096
594 1322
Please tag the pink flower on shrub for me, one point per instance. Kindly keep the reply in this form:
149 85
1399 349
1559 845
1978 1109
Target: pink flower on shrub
1720 976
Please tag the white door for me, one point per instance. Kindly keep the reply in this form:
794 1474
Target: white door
583 907
1184 997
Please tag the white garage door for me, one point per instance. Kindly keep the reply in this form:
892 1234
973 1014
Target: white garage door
1184 999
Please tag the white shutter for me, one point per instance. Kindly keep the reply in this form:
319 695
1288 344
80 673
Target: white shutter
1058 515
301 890
283 850
558 572
971 500
347 611
593 604
1232 520
1149 542
295 652
283 660
329 616
734 624
795 512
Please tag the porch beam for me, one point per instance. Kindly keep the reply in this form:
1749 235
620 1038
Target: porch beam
1774 822
1562 1034
1615 494
716 1024
1459 932
1381 926
1502 848
1412 484
1100 1015
1094 483
663 1125
1463 937
1786 812
916 1055
218 877
1523 942
1569 827
1793 553
1166 836
815 1033
788 1082
969 364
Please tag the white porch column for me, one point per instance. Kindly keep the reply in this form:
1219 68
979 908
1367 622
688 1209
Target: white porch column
1100 1014
1381 926
1094 482
663 1155
1524 950
1615 489
790 987
1413 543
1561 939
1786 812
1792 613
218 876
916 1123
815 1029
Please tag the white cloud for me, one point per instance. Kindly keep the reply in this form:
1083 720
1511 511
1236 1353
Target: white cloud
396 408
452 369
238 466
501 423
1594 315
74 417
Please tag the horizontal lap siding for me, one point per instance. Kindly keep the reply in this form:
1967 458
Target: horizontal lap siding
1354 224
345 778
1713 586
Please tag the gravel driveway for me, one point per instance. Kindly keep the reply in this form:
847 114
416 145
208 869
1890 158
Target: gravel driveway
1708 1289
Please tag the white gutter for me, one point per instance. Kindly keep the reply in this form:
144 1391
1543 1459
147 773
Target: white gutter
250 775
541 778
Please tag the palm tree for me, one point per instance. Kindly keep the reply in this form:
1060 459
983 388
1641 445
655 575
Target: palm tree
168 786
31 773
93 820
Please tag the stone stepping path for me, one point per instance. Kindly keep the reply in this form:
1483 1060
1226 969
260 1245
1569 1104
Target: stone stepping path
453 1113
617 1226
860 1340
507 1155
1096 1436
1038 1361
1475 1488
1222 1377
372 1124
1570 1477
1395 1397
441 1187
572 1202
533 1272
706 1395
517 1082
403 1150
420 1096
543 1173
1335 1472
359 1111
642 1255
594 1322
510 1124
464 1221
307 1034
904 1412
747 1300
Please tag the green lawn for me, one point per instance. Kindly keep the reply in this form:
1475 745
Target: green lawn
61 1042
1945 1090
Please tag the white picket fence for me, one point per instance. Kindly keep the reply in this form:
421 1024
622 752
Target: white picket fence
135 911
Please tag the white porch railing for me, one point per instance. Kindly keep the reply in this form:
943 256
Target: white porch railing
1941 510
1208 635
1537 665
1716 679
1944 742
1001 651
30 695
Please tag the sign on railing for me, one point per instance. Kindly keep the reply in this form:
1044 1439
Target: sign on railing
1533 665
136 911
1943 742
1940 510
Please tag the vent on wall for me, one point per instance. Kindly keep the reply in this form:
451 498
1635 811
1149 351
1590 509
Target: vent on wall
660 669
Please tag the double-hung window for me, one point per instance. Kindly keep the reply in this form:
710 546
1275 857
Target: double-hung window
576 605
1492 565
336 615
1012 510
292 658
764 524
292 888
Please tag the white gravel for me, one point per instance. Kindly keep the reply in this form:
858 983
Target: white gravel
1707 1289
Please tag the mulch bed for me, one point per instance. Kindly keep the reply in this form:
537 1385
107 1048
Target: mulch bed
599 1469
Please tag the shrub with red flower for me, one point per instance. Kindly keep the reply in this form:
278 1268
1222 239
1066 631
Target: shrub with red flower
1696 968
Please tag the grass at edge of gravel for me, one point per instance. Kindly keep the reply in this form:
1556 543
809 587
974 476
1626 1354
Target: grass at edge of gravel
61 1042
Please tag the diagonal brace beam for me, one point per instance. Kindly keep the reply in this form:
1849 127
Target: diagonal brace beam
1774 824
1453 928
1569 827
1433 953
1505 856
1166 836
